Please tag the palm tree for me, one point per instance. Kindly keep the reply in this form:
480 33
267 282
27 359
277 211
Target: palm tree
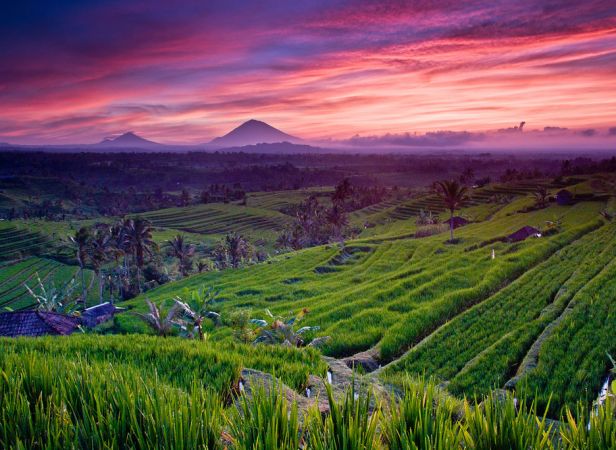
80 243
453 196
139 240
541 197
233 249
183 251
101 248
343 191
338 220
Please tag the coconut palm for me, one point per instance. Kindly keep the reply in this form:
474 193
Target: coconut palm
338 219
101 248
541 197
183 251
120 252
140 243
453 196
343 191
80 243
233 250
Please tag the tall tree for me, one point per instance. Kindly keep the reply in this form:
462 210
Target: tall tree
80 242
338 219
541 197
453 196
343 191
233 250
101 249
183 251
185 198
139 239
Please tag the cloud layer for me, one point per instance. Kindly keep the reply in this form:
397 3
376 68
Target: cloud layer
77 71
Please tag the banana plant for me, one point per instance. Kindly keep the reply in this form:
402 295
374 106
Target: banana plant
51 298
162 324
195 307
280 331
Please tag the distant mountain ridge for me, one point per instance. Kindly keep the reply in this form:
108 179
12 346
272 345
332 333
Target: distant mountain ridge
253 136
253 132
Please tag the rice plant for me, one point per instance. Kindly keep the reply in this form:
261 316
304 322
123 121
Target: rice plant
350 424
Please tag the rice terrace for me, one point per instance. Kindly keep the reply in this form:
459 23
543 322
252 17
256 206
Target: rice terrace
408 265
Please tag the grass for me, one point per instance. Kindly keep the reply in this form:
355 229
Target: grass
178 362
102 404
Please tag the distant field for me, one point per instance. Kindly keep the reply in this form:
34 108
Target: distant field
16 242
279 200
216 220
14 295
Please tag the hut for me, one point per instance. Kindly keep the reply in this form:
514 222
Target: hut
36 323
457 222
523 233
95 315
564 197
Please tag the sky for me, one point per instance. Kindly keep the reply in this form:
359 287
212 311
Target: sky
363 72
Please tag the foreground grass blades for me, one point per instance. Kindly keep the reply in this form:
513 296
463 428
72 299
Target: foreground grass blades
101 405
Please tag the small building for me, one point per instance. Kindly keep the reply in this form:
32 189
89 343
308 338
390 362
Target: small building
523 233
457 222
564 197
36 323
95 315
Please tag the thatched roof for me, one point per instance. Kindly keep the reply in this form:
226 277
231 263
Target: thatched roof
523 233
36 323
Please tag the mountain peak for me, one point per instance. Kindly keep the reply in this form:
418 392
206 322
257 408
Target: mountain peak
128 139
253 132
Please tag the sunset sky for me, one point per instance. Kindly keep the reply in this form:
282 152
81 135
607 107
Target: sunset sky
187 71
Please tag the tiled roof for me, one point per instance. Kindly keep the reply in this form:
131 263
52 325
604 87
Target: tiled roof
36 323
98 314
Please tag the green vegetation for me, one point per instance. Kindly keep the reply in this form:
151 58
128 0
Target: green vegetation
220 219
111 396
475 314
17 242
13 293
478 315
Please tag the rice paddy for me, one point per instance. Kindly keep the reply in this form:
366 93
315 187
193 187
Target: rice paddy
478 315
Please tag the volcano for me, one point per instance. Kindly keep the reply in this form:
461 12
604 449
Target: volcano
253 132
